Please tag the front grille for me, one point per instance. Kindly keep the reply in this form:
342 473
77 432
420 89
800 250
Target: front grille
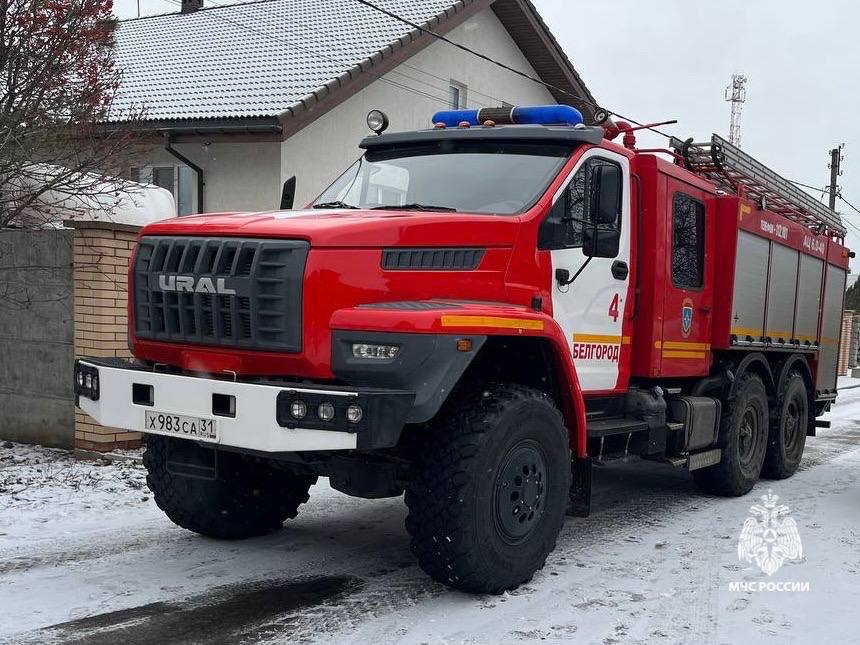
229 292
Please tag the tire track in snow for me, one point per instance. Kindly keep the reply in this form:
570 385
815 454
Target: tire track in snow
628 501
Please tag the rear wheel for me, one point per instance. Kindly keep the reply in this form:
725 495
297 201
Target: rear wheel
788 431
743 439
249 497
489 493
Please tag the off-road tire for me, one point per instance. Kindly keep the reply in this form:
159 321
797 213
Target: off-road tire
787 436
469 465
743 440
249 498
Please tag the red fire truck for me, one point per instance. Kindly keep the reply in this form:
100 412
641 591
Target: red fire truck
475 314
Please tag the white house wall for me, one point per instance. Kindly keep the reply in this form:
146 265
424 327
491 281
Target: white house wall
317 154
238 176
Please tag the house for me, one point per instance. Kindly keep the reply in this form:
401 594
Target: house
240 98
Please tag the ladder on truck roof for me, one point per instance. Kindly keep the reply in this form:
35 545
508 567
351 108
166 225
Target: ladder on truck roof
729 168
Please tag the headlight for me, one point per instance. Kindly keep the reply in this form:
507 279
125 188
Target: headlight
325 411
382 352
298 409
86 381
354 413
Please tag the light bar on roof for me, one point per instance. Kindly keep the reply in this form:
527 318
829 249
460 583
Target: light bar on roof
521 115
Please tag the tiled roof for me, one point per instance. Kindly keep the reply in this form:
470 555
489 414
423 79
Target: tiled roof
255 59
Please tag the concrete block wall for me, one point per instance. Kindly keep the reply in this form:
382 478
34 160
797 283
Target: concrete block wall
36 336
102 252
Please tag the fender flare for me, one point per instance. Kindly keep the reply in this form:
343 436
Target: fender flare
757 363
486 319
573 401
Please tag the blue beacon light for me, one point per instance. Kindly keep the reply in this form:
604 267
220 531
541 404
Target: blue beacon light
521 115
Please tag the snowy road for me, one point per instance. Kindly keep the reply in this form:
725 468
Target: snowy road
86 557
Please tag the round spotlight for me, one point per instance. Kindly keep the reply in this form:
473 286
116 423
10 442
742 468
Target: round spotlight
377 121
354 413
298 409
326 411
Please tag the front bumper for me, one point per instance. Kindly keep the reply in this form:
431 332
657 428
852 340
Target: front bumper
249 416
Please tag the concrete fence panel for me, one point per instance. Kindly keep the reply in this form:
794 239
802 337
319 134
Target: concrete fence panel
36 337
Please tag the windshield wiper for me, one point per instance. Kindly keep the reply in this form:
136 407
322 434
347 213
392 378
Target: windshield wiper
337 204
414 207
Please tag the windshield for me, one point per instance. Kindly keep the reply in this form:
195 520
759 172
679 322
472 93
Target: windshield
473 177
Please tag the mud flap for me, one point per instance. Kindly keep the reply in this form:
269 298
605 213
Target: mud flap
579 503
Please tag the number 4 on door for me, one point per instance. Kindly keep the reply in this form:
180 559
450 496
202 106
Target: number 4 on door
613 308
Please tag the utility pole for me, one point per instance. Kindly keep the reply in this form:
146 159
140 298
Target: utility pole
736 94
835 170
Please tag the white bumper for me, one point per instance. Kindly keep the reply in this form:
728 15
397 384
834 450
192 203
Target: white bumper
254 426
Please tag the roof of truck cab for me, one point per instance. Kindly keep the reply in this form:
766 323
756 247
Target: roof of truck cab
499 133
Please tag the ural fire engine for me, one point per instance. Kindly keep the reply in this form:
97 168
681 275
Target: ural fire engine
475 314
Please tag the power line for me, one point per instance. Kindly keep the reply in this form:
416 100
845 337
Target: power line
817 189
319 55
336 38
857 210
493 61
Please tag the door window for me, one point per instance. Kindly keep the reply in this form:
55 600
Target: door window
688 242
587 203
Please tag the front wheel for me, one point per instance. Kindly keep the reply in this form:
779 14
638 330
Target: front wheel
250 496
489 493
743 439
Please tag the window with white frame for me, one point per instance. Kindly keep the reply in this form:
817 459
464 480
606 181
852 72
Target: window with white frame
457 95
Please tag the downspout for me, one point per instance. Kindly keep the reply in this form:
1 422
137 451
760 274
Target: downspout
198 171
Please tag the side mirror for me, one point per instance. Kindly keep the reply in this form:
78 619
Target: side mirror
602 237
606 195
597 243
288 194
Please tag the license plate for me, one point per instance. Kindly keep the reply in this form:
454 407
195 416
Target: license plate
180 425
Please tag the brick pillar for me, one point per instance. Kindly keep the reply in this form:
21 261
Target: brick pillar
102 253
845 361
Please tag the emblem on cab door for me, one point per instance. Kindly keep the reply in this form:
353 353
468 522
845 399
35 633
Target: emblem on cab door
686 317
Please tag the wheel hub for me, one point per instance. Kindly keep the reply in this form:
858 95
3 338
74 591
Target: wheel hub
791 424
747 436
519 491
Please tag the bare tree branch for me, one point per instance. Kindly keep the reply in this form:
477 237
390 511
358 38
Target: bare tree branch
57 83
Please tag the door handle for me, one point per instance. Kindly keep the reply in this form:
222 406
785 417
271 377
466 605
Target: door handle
620 270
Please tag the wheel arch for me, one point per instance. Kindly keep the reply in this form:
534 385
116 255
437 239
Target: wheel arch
756 363
539 362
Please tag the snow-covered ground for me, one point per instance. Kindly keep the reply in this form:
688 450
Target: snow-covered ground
86 557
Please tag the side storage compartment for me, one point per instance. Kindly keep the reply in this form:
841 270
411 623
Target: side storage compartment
808 300
781 295
750 293
831 327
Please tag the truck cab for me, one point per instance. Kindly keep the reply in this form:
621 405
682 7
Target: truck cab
474 314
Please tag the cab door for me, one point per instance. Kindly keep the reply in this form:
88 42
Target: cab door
587 234
687 305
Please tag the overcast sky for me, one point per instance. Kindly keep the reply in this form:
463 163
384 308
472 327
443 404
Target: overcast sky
672 59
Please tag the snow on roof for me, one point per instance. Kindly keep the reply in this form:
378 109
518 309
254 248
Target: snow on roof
255 59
